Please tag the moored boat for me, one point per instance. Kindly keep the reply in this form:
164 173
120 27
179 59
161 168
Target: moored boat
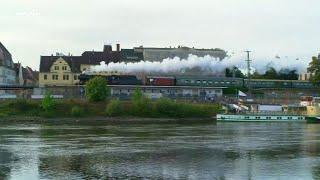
260 118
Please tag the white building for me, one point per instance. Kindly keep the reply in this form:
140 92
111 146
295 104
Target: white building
7 71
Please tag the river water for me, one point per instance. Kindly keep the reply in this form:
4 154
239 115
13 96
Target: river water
170 151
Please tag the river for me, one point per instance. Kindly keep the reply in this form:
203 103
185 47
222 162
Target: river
160 151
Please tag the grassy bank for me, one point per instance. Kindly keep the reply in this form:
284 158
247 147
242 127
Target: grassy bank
163 108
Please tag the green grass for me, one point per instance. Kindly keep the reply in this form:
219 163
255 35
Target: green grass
163 108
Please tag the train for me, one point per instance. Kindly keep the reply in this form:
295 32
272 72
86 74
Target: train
202 81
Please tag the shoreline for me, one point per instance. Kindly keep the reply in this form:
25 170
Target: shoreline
104 120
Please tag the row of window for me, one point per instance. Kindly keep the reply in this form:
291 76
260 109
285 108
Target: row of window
63 68
278 118
56 77
208 82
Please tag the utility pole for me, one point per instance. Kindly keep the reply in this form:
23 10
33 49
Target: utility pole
248 60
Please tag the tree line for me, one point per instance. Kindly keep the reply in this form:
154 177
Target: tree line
270 73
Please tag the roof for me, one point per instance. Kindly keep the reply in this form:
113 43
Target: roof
5 57
47 61
4 48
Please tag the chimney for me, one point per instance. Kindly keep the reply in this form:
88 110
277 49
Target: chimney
118 47
107 48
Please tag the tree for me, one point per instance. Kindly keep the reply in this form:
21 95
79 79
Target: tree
271 73
287 74
97 89
234 72
314 68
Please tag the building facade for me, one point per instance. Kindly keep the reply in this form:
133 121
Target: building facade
61 70
7 70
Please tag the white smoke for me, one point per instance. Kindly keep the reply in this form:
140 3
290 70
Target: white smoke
203 65
206 64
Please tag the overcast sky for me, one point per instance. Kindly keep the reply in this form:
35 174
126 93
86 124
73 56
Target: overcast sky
30 28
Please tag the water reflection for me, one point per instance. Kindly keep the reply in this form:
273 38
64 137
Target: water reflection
211 151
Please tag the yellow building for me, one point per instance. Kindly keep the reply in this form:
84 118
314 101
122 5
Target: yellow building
63 70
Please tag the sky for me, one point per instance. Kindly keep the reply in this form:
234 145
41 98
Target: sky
287 28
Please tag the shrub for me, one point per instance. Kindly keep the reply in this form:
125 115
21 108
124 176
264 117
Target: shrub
114 108
141 106
96 89
166 107
48 103
77 111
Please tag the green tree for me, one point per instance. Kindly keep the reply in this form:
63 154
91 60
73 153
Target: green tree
234 72
97 89
48 103
314 68
271 73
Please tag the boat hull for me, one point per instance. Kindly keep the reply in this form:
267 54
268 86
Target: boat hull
259 118
312 119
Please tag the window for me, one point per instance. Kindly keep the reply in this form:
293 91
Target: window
55 77
45 77
75 77
56 68
64 68
65 77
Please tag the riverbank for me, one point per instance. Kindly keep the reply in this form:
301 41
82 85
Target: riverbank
111 111
104 120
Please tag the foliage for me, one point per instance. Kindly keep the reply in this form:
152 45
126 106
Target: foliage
168 108
314 68
271 73
114 108
141 106
77 111
97 89
234 72
48 103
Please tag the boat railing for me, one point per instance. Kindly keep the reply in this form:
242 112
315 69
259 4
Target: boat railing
269 113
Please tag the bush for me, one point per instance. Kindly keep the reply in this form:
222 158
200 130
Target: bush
114 108
96 89
77 111
48 103
141 106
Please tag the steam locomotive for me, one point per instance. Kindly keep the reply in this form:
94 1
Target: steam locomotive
203 81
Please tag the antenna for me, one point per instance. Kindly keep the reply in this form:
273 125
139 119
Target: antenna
248 67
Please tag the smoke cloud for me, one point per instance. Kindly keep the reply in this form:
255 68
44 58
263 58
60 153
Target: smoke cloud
196 65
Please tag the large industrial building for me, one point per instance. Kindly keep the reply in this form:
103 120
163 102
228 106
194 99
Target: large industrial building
158 54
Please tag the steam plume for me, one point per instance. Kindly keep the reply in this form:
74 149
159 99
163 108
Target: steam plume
197 65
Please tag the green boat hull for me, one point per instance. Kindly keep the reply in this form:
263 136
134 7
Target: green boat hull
312 119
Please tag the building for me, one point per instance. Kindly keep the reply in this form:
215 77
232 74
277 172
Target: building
7 71
26 76
158 54
60 70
